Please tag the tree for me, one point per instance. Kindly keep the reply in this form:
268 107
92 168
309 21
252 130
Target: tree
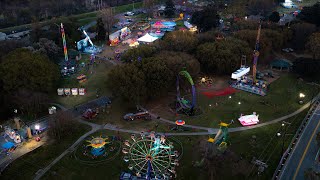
30 102
170 9
49 48
307 68
24 69
301 34
206 19
101 32
310 174
108 20
222 57
148 6
314 45
311 14
128 82
274 17
143 51
62 124
184 41
157 77
177 61
262 7
35 30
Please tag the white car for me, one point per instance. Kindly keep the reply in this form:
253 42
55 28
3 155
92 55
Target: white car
286 50
129 13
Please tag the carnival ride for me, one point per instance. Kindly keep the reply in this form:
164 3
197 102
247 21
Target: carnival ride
83 45
183 105
97 145
151 157
222 137
248 120
243 82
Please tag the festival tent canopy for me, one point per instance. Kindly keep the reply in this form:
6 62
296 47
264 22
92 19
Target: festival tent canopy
8 145
169 23
147 38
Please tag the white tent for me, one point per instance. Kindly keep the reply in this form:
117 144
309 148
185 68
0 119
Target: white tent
240 72
147 38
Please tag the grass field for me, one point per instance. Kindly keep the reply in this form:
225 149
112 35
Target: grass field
282 99
241 145
26 166
96 80
82 19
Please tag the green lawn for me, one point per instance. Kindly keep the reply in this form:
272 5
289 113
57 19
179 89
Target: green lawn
26 166
83 18
95 81
268 150
241 145
70 168
282 99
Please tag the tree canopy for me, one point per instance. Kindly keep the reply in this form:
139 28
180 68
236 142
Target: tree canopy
184 41
29 70
206 19
222 57
274 17
169 11
314 45
311 14
302 32
142 51
307 68
101 32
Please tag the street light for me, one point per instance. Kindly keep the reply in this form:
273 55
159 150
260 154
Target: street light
301 96
229 97
239 102
37 127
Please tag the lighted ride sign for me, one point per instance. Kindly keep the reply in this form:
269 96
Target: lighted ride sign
151 157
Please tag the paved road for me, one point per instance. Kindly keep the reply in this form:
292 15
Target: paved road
304 153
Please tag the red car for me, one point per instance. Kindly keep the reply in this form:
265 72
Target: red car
89 114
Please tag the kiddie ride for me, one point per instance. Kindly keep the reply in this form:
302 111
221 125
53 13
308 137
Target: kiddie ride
248 120
83 45
222 137
140 115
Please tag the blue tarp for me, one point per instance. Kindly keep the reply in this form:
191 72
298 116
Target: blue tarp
8 145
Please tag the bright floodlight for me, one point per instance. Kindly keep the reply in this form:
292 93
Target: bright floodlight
282 124
278 134
37 126
229 97
203 80
210 105
301 95
239 102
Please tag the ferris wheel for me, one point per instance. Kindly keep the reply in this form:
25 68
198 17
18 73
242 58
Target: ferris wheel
151 157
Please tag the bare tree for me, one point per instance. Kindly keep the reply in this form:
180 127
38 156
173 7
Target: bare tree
108 19
62 124
148 5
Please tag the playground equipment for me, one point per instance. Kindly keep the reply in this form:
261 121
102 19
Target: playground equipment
140 115
248 120
97 145
151 157
222 137
84 47
183 104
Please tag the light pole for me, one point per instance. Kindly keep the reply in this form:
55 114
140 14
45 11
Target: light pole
282 134
301 97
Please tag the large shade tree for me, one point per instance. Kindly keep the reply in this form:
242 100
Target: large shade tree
311 14
169 11
139 53
206 19
301 33
314 45
184 41
29 70
222 57
108 19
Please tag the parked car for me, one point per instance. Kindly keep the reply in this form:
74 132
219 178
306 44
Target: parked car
89 114
129 13
140 115
287 50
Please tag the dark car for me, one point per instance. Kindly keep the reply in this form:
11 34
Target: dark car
89 114
140 115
